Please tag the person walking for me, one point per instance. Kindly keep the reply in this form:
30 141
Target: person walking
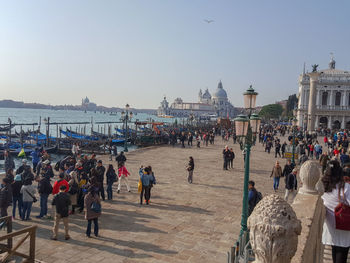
288 168
254 197
121 159
226 155
277 149
146 179
44 189
92 210
28 192
276 174
111 178
62 202
5 196
190 169
335 191
100 179
123 174
232 157
291 185
17 196
324 161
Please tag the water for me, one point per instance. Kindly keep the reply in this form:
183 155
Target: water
37 115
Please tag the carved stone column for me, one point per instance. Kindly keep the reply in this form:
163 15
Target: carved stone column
309 175
312 101
274 230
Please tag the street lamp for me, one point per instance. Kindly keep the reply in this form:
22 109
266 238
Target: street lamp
246 130
294 130
125 117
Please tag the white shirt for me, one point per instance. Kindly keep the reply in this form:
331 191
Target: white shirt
331 235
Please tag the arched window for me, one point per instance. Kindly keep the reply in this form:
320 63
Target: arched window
337 98
324 98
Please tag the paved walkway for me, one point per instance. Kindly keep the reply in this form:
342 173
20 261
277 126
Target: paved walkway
184 223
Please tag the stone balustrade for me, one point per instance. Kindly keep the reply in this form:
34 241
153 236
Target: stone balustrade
283 233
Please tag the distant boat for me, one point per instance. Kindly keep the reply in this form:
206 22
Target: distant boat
165 116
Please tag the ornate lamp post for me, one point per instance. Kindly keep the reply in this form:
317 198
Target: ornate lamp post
126 116
246 130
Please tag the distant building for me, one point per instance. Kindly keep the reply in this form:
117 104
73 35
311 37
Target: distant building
331 102
87 105
207 105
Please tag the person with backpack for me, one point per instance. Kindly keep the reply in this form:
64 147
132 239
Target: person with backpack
254 197
92 210
62 202
44 189
111 178
73 190
28 192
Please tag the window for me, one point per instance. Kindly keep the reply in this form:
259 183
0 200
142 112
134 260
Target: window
337 98
324 98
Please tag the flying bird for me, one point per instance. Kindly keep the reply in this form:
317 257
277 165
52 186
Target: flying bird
208 21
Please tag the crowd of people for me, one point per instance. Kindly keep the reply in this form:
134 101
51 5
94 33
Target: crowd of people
75 182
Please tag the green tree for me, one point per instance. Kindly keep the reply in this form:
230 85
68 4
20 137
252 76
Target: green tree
271 111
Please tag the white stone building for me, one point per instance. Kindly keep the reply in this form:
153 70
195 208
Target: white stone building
331 107
216 105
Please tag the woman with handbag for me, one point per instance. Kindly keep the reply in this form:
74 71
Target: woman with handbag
336 199
28 193
92 210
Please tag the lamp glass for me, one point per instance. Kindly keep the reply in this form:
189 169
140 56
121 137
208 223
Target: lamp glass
241 125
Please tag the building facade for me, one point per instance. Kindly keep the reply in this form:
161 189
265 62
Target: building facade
208 105
329 103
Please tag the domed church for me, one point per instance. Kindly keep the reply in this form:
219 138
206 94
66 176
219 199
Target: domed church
207 105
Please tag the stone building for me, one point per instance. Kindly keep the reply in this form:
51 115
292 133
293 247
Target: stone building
329 104
207 105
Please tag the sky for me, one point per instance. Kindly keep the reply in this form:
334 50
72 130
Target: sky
117 52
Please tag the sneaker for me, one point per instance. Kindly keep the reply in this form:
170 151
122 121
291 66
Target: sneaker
38 216
67 238
53 238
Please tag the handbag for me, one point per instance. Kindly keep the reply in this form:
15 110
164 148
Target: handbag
34 198
96 207
342 214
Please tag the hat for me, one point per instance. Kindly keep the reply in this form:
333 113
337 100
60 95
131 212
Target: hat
24 160
99 161
46 162
295 170
18 177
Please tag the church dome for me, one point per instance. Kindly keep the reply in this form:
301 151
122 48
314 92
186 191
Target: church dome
220 92
206 95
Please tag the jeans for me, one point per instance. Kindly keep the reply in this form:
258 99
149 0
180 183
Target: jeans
147 191
27 208
43 204
88 229
15 200
109 191
190 176
276 183
101 191
340 254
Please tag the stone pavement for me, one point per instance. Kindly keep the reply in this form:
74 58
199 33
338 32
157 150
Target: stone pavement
184 223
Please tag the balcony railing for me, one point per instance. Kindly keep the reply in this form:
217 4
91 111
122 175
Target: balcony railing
332 107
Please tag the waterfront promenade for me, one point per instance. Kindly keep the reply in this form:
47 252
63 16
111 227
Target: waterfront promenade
184 223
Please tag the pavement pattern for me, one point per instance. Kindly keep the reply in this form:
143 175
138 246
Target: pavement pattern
184 222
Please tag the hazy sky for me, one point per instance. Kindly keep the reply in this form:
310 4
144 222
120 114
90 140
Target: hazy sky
117 52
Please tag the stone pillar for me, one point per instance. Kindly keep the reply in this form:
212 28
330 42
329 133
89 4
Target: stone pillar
330 121
331 99
274 230
312 101
342 126
318 99
309 175
317 119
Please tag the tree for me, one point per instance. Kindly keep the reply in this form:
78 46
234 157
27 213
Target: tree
292 103
271 111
